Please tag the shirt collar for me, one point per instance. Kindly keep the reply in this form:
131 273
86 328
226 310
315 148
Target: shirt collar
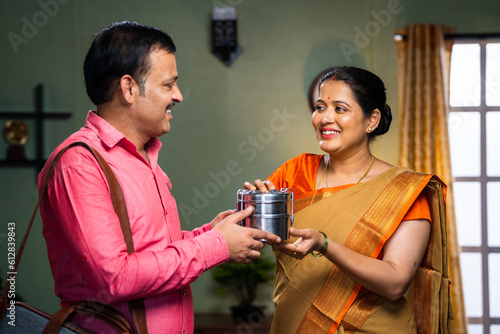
110 136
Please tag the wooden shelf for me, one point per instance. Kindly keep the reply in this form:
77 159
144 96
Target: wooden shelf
19 163
39 116
46 115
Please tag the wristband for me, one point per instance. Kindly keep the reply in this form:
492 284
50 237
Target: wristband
323 250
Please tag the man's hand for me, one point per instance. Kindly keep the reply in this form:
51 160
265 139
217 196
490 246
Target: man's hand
220 217
244 243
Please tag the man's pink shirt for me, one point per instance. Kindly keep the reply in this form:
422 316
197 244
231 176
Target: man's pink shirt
85 244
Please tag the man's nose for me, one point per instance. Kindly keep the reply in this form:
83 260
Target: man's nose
177 95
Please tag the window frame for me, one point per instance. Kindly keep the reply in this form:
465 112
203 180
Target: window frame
483 179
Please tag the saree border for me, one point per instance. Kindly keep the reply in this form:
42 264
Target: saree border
368 237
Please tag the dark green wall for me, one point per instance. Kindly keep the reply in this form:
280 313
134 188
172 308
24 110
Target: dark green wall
285 44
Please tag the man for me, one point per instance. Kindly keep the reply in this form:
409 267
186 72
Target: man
131 76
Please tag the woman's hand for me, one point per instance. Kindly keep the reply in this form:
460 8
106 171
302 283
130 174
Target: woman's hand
259 185
309 240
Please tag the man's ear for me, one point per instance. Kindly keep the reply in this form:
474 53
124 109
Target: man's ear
373 120
128 88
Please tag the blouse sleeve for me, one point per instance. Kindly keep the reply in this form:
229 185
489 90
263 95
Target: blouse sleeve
419 209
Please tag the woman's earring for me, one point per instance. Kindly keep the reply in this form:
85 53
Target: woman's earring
370 129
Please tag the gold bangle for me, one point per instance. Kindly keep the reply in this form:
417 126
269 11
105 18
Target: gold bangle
323 250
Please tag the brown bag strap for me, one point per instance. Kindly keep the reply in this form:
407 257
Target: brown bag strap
92 309
116 197
138 312
137 308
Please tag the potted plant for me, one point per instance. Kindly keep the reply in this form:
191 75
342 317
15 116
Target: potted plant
243 280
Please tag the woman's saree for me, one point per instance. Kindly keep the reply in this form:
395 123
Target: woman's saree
314 296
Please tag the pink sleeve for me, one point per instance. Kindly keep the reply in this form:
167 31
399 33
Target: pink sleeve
196 232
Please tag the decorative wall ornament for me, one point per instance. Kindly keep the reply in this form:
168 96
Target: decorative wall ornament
16 133
224 34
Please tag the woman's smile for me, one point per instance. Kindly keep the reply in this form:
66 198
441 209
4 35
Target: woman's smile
327 133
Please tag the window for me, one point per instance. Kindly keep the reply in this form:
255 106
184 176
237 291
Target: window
474 127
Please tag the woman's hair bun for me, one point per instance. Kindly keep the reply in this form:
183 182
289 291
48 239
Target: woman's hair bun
385 121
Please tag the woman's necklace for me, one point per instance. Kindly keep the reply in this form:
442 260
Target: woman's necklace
367 170
324 171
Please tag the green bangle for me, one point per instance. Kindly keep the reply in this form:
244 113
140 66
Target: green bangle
323 250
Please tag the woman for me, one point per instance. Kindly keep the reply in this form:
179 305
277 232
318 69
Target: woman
377 232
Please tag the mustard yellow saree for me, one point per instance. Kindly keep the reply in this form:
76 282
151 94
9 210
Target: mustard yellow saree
314 296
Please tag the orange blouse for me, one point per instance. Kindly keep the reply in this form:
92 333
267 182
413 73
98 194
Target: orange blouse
299 174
